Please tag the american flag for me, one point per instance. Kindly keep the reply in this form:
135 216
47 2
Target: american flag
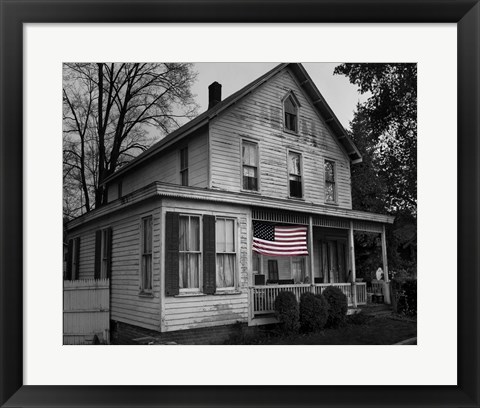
275 240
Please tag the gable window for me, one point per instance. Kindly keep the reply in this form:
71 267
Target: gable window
146 254
103 253
290 109
295 174
226 253
250 166
189 252
184 166
330 180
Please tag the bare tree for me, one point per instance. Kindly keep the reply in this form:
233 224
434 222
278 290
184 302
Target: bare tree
111 113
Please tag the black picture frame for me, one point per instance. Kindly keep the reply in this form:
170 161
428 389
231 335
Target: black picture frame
465 13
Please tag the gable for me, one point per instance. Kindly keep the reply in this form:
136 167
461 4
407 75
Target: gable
258 117
306 83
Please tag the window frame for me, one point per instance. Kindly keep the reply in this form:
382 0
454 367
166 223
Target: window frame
289 152
199 252
104 254
146 291
234 252
242 165
335 189
75 263
184 166
291 95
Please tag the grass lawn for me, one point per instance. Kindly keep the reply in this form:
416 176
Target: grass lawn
357 330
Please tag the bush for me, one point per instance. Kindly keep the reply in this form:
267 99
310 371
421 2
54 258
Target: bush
313 312
404 296
287 312
338 306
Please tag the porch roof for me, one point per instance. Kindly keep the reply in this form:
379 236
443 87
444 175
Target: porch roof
158 189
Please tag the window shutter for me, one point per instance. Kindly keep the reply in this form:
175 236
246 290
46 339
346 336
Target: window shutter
171 254
209 255
98 253
68 276
109 254
77 258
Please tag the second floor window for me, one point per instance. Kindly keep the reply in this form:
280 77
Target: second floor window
291 114
295 174
189 252
250 166
330 188
184 166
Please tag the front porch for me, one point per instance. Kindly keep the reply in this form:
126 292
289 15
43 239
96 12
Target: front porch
326 258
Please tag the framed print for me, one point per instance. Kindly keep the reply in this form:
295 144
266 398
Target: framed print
45 45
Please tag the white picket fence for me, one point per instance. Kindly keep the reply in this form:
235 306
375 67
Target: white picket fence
86 311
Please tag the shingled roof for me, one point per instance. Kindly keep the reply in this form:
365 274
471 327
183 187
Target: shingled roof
307 85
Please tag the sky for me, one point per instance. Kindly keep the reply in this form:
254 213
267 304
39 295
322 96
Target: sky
340 94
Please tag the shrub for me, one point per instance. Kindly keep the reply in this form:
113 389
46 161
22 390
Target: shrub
404 296
338 306
287 312
313 312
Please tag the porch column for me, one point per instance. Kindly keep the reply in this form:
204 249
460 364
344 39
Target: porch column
385 267
384 254
352 263
310 246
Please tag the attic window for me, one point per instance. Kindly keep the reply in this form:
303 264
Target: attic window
290 109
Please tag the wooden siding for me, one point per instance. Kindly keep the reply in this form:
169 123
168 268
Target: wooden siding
258 117
127 305
166 168
204 311
187 312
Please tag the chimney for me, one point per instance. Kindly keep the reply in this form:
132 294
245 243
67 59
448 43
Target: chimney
214 94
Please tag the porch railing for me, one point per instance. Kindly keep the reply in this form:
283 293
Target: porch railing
263 297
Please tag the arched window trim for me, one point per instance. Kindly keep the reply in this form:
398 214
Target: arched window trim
288 124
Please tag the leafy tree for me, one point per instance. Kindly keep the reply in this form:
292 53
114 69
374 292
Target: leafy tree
111 113
385 130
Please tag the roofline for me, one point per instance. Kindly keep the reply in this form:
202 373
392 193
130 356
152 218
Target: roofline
203 119
159 189
332 121
197 122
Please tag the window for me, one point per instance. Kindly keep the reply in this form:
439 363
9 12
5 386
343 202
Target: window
291 114
226 253
298 270
184 166
119 189
295 174
189 252
250 166
146 253
330 189
103 271
103 253
272 270
73 259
